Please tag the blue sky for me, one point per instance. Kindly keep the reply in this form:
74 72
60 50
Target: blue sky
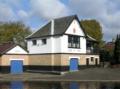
36 13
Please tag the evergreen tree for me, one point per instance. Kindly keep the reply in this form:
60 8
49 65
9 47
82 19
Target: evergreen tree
117 50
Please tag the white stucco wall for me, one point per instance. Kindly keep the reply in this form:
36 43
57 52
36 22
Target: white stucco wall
39 48
53 45
75 25
59 44
65 49
17 50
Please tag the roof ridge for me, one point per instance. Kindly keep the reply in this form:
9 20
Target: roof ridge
65 17
14 45
4 47
60 26
38 29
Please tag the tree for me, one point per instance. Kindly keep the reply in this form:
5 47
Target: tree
117 50
93 28
14 31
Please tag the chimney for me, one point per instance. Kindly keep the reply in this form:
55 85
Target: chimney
52 27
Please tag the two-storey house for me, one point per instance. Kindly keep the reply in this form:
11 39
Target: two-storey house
60 45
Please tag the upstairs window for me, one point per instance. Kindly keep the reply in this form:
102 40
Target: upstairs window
92 59
73 41
34 42
44 41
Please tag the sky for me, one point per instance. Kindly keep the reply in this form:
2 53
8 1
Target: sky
36 13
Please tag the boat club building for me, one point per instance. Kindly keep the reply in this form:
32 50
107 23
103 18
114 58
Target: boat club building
61 45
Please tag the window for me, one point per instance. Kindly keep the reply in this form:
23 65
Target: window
87 61
44 41
96 58
34 42
92 59
73 41
96 61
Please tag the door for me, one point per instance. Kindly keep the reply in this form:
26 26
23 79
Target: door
96 61
73 64
16 67
87 61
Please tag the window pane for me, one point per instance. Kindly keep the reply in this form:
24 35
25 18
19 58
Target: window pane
34 42
74 41
92 59
44 41
69 39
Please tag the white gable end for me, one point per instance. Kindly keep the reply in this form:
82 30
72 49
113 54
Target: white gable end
75 29
17 50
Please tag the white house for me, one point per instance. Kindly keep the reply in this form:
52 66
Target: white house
60 45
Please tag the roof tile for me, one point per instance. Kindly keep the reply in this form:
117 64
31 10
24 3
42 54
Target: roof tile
6 46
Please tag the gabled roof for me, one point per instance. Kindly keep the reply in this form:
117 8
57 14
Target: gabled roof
60 26
6 47
89 38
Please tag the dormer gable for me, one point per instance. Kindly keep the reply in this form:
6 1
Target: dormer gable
75 29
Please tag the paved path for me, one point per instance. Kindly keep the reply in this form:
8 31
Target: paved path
90 74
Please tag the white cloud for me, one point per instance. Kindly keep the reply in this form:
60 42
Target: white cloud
113 20
111 26
23 14
105 11
116 2
6 13
48 8
88 8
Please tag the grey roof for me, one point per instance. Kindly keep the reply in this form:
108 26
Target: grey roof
60 26
44 31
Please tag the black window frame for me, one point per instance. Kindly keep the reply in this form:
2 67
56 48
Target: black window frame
73 41
44 41
34 42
